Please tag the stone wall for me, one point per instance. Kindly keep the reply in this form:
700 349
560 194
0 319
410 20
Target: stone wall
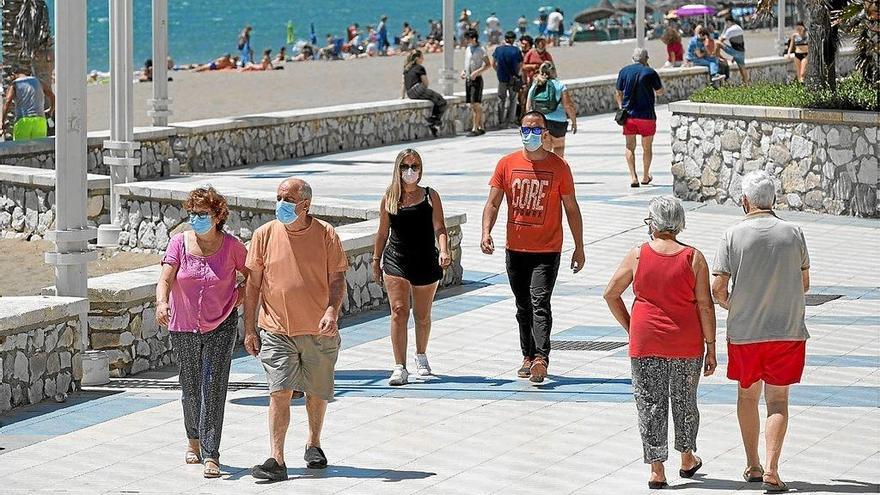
826 161
156 150
40 349
27 202
217 144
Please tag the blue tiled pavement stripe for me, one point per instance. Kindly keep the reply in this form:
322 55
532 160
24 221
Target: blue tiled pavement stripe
83 410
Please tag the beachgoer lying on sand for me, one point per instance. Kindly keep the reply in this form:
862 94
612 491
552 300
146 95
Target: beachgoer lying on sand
226 62
306 53
265 63
281 57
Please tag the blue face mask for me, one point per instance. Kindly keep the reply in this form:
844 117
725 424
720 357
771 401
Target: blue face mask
201 224
531 141
285 212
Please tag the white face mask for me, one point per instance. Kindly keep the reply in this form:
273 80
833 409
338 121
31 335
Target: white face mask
410 176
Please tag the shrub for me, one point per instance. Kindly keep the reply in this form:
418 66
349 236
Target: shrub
852 94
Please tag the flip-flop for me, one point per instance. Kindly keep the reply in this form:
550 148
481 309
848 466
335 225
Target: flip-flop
753 479
657 485
211 472
646 182
192 457
774 488
634 184
689 473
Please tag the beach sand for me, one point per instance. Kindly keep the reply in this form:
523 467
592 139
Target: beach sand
26 272
321 83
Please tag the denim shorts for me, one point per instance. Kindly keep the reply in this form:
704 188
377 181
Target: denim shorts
738 56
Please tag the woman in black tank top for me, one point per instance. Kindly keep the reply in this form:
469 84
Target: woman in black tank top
411 218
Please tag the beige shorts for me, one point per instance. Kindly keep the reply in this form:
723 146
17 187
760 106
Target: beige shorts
303 362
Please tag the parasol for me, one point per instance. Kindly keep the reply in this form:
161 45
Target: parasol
601 11
694 10
630 8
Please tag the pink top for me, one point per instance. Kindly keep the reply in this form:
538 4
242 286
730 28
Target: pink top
203 293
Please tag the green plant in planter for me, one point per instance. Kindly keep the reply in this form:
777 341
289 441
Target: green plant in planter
852 93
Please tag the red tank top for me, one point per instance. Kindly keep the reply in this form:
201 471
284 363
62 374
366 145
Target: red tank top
665 320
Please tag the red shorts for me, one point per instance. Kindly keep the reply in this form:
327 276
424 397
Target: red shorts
778 363
675 51
642 127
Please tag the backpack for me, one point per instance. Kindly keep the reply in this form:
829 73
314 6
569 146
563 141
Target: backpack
545 99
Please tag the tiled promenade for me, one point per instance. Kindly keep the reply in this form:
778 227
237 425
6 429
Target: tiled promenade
475 428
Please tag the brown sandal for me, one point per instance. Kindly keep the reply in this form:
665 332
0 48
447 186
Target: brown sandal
192 457
211 471
747 475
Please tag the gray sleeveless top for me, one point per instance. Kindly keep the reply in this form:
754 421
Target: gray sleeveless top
29 101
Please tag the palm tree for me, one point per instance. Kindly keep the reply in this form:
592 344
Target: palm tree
861 19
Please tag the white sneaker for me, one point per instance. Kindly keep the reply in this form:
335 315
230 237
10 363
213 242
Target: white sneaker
399 376
422 366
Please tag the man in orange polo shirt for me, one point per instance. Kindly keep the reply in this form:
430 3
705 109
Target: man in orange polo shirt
297 267
538 185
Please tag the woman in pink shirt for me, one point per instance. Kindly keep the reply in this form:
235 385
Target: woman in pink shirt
199 274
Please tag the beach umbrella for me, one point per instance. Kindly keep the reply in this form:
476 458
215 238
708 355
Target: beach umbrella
694 10
313 38
601 11
291 34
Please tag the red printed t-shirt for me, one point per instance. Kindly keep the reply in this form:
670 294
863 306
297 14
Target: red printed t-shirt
534 193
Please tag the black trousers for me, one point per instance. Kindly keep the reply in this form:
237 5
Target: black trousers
420 92
532 277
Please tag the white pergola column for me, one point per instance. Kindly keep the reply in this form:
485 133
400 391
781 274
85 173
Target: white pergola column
780 27
640 23
72 233
447 73
121 144
159 105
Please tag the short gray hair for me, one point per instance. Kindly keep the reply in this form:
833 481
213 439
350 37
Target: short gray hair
640 55
305 190
760 189
667 214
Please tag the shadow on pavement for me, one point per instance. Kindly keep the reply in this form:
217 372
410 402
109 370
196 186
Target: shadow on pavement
332 471
837 485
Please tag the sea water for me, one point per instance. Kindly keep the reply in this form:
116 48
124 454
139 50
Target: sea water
202 30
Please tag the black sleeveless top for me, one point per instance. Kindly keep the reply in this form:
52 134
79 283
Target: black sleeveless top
411 252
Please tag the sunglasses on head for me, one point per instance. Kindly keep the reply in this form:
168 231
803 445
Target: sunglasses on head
533 130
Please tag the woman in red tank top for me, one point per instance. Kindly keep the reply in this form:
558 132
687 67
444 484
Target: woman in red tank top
672 324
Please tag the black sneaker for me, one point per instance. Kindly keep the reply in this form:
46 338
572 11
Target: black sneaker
315 458
472 134
270 470
480 132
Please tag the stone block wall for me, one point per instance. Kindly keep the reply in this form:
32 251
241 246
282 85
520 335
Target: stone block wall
27 202
128 332
156 150
825 161
40 349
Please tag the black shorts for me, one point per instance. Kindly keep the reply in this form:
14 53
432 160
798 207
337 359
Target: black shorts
473 90
557 129
800 56
423 269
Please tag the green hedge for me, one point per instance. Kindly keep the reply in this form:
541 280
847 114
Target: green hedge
852 94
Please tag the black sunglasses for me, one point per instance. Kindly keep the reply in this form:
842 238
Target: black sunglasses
537 131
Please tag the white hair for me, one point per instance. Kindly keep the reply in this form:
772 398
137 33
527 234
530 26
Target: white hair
640 55
760 189
667 214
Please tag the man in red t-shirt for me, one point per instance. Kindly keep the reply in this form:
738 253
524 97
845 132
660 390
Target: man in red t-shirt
537 184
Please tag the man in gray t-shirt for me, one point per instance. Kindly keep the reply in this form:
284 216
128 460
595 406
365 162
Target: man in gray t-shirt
766 260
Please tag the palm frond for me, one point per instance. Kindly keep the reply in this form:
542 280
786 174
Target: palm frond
31 27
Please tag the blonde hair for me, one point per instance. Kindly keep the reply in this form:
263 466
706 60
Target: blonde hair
394 191
546 72
411 60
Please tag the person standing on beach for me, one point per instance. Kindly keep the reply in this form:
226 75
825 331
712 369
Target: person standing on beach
555 26
493 29
507 61
415 86
244 46
464 24
475 63
297 279
637 85
526 43
522 25
538 185
382 31
29 96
